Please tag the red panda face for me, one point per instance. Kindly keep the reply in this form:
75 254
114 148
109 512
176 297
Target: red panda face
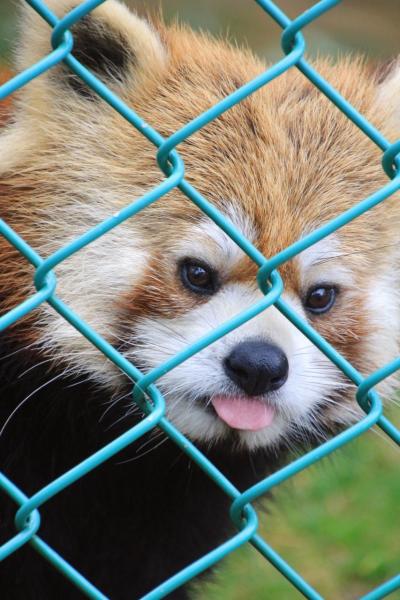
262 381
278 165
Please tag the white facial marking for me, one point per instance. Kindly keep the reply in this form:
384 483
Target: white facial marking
382 305
89 282
211 244
320 263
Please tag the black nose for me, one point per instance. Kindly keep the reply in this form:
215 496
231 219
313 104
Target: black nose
257 367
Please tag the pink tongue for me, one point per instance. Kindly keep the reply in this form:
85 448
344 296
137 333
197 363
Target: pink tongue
240 412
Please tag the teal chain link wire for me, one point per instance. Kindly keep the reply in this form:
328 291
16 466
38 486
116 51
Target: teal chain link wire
146 393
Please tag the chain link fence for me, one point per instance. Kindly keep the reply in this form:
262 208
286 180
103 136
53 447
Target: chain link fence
146 394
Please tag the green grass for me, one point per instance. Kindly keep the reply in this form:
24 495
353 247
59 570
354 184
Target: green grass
337 523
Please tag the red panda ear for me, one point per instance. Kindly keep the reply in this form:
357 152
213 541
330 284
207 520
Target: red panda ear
388 96
111 41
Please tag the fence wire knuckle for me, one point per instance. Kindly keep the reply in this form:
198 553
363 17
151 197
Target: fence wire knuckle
145 392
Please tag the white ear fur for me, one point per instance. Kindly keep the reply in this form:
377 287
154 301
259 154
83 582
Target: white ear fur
388 96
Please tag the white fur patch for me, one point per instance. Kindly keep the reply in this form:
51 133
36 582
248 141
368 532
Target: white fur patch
211 244
382 305
320 263
89 282
388 97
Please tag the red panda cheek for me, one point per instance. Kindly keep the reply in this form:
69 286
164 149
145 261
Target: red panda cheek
15 269
347 328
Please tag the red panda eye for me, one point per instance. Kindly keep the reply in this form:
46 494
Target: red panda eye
320 299
198 277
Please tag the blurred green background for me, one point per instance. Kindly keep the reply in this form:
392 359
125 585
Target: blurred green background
338 523
370 26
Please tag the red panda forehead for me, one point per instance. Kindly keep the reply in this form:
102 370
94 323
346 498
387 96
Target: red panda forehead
201 70
286 145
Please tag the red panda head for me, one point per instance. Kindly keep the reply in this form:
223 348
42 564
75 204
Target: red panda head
277 165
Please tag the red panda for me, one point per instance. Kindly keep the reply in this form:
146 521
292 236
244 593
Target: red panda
277 165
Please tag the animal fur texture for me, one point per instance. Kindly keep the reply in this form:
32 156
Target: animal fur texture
277 165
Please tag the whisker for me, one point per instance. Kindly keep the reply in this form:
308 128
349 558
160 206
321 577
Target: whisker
25 400
144 453
112 403
43 362
17 351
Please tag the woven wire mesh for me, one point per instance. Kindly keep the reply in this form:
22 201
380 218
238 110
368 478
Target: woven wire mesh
146 394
